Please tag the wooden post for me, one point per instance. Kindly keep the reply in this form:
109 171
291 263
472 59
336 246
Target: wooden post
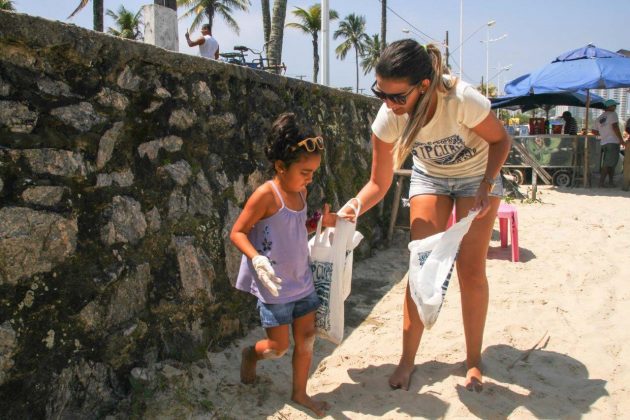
534 184
588 103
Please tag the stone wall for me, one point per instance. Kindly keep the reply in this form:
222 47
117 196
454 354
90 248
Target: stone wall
122 169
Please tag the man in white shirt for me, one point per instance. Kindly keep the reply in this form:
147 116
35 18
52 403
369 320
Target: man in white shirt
208 45
607 127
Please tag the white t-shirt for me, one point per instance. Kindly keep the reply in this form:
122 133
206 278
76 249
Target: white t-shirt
605 127
446 147
209 48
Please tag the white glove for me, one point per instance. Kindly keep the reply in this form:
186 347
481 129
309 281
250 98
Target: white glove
350 211
266 275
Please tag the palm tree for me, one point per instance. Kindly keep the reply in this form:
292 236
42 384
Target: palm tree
371 53
128 24
352 28
201 9
383 23
266 20
7 5
97 10
311 23
277 34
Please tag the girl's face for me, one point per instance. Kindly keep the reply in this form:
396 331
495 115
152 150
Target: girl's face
400 88
300 173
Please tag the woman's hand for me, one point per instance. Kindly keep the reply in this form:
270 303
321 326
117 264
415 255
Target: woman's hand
482 200
348 211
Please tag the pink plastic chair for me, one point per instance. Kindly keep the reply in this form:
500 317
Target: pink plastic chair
507 213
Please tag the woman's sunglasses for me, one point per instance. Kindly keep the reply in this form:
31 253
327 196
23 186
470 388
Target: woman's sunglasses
397 98
310 144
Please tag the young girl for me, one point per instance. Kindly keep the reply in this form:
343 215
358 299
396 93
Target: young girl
272 234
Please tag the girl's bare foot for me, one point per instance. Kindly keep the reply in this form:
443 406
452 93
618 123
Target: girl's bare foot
318 407
474 380
248 365
401 377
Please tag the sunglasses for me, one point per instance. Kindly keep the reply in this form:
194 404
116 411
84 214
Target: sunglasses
310 144
397 98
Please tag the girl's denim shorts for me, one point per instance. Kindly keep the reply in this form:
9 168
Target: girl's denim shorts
275 314
422 183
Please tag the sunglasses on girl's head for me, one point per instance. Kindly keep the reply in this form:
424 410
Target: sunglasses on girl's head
310 144
397 98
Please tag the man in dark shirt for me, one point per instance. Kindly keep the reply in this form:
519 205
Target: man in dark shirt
570 125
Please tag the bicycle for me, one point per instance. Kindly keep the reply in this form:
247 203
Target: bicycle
239 57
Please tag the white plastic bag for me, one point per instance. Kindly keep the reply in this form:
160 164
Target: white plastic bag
430 267
331 254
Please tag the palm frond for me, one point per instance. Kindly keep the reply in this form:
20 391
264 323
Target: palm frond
79 7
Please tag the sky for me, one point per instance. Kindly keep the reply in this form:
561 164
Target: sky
536 31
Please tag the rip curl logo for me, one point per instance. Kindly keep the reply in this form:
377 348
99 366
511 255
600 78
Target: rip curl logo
447 151
602 120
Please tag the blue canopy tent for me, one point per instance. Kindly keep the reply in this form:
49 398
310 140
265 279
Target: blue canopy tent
587 68
545 100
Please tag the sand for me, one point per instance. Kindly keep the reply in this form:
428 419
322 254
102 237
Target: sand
569 296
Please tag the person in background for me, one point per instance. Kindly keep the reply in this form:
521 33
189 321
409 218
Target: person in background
607 127
208 45
570 125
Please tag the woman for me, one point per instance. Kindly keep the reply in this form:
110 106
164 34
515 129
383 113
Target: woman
458 148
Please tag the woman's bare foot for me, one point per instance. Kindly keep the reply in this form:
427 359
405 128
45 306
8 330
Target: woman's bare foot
401 377
474 380
318 407
248 365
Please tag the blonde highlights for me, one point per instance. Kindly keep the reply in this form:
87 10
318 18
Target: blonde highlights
418 117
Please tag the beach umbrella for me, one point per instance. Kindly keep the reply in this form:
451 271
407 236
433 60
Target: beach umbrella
546 100
588 67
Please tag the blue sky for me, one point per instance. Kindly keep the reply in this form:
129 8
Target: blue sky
537 31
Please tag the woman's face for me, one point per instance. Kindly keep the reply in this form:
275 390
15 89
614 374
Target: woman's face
403 88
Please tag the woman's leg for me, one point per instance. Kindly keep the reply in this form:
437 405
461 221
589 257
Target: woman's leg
429 215
304 337
471 271
274 347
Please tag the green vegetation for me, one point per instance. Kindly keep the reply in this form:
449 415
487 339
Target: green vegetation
352 30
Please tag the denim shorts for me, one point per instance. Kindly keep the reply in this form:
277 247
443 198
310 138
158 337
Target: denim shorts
275 314
423 184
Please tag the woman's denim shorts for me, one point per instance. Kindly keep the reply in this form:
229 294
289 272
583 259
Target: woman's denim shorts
275 314
422 183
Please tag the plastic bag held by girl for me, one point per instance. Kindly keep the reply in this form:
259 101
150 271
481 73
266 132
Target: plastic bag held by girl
430 267
331 264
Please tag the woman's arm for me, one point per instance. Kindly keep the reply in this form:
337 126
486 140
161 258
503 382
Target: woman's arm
493 132
381 176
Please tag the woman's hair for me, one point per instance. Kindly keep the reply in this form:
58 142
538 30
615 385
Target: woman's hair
407 59
285 135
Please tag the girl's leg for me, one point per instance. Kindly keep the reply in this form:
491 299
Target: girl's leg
429 215
274 347
473 283
304 337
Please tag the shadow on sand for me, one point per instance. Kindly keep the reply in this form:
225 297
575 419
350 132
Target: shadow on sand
547 384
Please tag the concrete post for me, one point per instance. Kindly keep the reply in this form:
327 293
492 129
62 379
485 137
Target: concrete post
160 26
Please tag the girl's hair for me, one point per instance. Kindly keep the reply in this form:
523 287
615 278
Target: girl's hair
285 135
407 59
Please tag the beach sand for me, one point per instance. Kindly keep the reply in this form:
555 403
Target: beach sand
571 289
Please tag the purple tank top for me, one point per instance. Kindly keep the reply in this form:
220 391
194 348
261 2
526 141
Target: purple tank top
283 239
